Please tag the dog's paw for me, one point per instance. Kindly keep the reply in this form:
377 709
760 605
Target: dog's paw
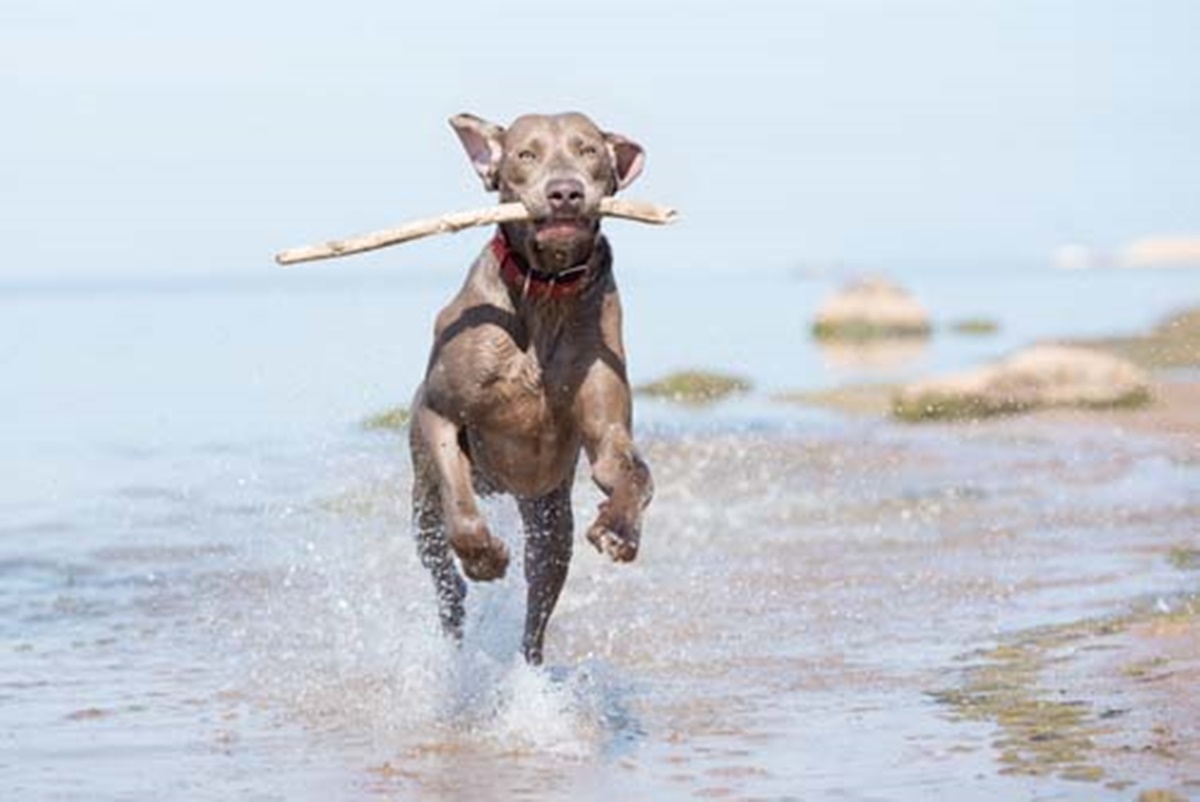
487 565
483 556
610 536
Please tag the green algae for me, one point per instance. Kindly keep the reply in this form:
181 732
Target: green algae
393 419
1185 558
974 406
1042 731
940 407
1173 343
975 326
1143 669
858 330
1039 735
695 387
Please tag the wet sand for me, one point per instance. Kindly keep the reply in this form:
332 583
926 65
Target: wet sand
1174 415
1108 698
1145 680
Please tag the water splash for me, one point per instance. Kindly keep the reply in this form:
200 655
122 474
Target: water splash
343 637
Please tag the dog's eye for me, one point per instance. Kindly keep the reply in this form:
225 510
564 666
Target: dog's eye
589 150
527 155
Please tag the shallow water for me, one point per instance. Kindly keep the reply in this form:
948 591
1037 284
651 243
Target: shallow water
207 587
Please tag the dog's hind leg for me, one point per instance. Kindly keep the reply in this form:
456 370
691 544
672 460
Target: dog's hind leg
549 527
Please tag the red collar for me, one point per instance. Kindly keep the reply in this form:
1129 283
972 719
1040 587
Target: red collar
532 283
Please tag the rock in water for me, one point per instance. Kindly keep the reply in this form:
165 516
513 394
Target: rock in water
871 308
1041 376
695 387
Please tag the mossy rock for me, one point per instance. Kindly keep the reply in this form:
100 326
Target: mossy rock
856 330
975 326
695 387
1035 378
1173 343
393 419
934 407
1134 399
870 309
1181 324
939 407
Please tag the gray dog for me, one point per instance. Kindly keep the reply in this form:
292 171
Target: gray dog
527 370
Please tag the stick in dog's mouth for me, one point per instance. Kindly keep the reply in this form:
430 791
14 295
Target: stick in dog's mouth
640 211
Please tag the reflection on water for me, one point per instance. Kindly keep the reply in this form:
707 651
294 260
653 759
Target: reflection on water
208 590
873 355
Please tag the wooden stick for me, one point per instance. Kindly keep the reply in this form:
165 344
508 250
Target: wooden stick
456 221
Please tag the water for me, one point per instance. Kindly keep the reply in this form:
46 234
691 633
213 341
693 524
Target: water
208 590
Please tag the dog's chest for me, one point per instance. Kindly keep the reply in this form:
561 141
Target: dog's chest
527 386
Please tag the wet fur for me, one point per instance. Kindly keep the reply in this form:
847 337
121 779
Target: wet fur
518 387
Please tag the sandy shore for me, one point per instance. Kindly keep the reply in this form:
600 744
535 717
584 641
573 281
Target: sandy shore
1174 414
1149 679
1110 699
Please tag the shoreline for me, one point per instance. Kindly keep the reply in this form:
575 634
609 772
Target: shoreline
1144 685
1108 700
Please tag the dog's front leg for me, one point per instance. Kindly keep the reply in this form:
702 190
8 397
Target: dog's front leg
623 475
432 548
483 556
619 472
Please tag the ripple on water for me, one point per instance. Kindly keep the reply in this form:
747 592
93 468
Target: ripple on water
794 599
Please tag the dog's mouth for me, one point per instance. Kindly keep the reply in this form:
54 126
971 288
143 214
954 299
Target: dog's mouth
564 242
561 243
563 229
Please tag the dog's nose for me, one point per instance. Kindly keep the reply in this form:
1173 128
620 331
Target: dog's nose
565 196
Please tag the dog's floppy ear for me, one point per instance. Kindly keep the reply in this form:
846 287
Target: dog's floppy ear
483 142
627 156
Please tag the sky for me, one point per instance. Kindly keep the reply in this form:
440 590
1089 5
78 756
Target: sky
143 138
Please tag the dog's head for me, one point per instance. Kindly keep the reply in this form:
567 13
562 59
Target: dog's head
559 166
